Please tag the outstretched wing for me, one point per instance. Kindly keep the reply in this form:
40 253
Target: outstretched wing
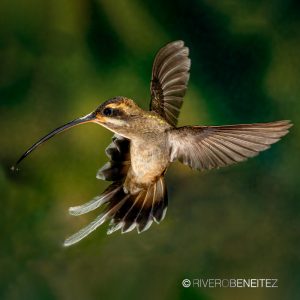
207 147
170 76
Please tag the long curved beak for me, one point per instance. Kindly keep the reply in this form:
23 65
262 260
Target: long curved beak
88 118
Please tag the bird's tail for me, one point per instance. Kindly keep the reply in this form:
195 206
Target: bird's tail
125 211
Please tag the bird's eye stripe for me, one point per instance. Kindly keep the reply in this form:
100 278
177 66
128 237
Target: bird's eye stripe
117 112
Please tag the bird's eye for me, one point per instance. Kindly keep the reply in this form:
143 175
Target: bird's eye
107 111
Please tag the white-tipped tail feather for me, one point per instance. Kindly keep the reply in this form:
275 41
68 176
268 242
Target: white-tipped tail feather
126 211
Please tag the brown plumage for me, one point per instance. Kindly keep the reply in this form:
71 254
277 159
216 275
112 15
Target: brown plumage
170 76
207 147
146 142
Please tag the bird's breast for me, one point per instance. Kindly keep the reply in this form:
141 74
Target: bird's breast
149 159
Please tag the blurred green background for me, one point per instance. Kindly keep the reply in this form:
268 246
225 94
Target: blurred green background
59 60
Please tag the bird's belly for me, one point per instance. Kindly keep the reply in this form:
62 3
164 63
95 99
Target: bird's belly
148 162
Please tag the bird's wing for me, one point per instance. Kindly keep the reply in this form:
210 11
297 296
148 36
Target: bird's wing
170 76
118 152
207 147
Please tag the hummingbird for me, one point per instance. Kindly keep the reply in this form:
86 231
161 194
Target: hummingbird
145 143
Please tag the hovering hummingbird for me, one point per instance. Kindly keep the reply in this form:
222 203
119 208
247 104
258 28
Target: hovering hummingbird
146 142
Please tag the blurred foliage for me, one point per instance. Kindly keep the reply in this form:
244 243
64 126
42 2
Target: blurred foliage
59 60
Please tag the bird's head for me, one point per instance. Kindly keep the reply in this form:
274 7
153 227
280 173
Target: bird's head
118 114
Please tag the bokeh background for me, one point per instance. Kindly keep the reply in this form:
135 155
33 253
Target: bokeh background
59 60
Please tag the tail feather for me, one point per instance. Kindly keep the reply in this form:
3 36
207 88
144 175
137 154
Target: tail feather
126 211
95 202
81 234
131 215
144 218
159 208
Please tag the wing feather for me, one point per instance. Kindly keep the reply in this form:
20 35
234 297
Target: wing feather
118 152
170 76
207 147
